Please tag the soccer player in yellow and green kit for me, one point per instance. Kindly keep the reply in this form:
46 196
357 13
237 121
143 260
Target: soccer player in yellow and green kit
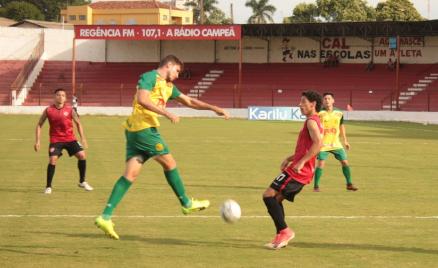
143 141
332 120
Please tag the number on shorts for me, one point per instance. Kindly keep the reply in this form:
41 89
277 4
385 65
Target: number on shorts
281 177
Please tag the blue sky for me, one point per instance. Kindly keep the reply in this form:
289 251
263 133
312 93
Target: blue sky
285 7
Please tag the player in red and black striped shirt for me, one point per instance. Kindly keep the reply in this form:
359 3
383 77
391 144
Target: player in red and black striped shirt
61 117
297 169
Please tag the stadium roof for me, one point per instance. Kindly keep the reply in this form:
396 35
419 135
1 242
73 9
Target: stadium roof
129 5
6 22
42 24
360 29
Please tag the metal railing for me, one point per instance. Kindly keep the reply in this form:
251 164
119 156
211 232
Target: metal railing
229 96
33 59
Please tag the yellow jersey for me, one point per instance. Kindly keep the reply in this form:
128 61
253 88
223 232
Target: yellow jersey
331 122
160 92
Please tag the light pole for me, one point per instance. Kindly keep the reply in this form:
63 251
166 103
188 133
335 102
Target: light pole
202 11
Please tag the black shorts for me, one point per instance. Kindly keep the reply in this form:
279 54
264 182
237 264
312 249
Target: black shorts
287 186
72 147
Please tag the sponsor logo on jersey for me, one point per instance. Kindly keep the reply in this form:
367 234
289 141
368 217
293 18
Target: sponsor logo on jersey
159 147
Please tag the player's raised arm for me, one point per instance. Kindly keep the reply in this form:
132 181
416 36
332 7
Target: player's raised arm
143 98
40 123
316 137
200 105
80 129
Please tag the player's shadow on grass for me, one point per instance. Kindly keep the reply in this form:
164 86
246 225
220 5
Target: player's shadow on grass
363 247
216 186
160 241
21 250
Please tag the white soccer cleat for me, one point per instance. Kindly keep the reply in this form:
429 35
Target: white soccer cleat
48 190
86 186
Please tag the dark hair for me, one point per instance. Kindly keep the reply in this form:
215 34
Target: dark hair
172 59
328 93
58 89
313 96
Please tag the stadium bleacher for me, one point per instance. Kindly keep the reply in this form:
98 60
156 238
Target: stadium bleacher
9 69
113 84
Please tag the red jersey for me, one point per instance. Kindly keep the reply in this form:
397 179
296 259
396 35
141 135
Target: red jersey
304 143
61 123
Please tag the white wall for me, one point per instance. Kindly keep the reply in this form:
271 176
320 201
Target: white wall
416 117
17 43
133 51
58 46
190 51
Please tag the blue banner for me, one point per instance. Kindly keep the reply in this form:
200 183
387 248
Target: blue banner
275 113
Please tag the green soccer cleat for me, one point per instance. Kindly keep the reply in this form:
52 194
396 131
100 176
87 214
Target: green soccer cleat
107 226
195 205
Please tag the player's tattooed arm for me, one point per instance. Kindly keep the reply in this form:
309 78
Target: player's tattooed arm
80 129
200 105
40 123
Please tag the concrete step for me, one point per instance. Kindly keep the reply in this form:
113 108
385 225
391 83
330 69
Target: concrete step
205 83
417 89
196 91
216 71
408 93
419 85
387 107
425 81
404 98
434 74
431 77
209 79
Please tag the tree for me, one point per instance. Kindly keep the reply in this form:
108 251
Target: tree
397 10
303 13
262 12
218 17
21 10
345 10
209 8
50 8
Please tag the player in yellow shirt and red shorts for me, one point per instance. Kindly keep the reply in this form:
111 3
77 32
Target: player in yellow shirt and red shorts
332 120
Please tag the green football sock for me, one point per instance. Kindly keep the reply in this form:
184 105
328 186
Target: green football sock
119 190
347 173
318 174
175 181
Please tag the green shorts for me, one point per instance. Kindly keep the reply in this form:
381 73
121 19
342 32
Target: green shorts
339 154
146 143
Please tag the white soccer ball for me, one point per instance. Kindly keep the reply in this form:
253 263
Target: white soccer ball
230 211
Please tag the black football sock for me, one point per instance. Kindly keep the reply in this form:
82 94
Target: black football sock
82 166
276 212
50 173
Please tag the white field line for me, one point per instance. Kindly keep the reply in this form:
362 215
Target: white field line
208 217
247 141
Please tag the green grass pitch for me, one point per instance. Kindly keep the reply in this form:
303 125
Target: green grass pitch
393 164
